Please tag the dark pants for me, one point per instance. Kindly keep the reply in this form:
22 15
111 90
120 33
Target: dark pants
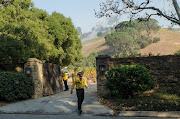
65 84
80 96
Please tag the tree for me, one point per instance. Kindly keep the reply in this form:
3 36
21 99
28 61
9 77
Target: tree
99 34
136 9
131 30
148 26
121 42
89 61
133 24
20 26
18 3
151 25
27 32
66 40
12 51
79 30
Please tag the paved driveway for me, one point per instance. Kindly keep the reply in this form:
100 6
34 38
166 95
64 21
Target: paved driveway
62 103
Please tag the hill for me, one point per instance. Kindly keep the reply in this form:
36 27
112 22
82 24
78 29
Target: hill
169 44
94 45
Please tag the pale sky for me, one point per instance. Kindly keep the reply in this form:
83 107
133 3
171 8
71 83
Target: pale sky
82 11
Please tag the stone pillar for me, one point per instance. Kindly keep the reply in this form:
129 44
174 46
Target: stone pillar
101 79
37 75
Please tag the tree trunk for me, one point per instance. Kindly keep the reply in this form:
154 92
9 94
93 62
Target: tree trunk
176 6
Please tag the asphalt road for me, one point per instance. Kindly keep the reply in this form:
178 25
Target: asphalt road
83 116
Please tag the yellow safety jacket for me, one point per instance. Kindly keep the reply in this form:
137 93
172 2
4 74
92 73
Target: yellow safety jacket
79 83
64 76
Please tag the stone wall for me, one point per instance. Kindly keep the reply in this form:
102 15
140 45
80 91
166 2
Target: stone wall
165 71
46 79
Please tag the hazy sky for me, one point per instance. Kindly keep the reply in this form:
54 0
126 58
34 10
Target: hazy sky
81 11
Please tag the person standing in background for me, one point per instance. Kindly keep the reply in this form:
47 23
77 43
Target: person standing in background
64 76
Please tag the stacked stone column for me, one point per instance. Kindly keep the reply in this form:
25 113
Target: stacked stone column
101 79
37 75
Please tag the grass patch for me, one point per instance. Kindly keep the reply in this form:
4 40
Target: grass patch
152 102
91 40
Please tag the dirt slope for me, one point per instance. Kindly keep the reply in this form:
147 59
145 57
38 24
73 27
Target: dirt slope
94 46
169 44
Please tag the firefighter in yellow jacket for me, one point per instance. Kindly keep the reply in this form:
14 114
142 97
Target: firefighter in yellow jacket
80 83
64 76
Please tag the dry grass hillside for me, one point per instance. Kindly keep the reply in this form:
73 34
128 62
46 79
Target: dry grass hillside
169 44
95 45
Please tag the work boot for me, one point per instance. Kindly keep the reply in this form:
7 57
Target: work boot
80 111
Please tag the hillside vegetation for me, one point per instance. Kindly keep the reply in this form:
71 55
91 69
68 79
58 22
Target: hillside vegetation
94 45
169 44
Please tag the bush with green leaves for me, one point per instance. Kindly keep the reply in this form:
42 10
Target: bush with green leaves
156 39
144 44
99 34
125 80
15 86
177 52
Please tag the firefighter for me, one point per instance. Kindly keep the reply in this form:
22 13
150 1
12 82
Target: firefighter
80 83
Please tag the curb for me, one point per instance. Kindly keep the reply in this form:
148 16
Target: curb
169 114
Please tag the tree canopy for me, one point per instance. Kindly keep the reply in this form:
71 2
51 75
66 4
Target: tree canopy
129 37
27 32
121 41
140 9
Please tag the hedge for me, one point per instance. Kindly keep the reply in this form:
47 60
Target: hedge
125 80
15 86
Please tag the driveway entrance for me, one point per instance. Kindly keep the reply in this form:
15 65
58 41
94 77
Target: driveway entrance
62 103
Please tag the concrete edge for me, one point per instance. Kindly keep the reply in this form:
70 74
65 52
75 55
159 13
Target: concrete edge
104 114
169 114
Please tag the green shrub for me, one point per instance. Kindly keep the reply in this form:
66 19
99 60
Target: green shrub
99 34
150 41
125 80
144 44
156 39
15 86
177 52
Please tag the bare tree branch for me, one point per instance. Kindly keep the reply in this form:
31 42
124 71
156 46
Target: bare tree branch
160 13
129 7
149 16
